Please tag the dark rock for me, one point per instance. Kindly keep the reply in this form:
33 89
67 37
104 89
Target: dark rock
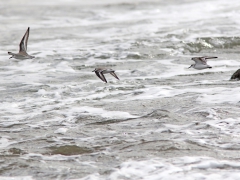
236 75
68 150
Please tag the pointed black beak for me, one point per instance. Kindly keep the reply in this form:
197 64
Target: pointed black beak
190 66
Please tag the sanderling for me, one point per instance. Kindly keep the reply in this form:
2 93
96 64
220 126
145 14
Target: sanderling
201 62
100 71
22 48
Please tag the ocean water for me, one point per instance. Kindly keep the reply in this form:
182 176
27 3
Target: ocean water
161 120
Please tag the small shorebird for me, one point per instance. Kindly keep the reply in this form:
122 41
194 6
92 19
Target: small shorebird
101 71
201 62
22 54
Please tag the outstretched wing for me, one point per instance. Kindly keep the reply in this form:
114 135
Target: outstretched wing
23 43
199 60
113 74
203 60
209 57
101 76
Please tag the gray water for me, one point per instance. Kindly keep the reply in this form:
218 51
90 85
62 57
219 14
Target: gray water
161 120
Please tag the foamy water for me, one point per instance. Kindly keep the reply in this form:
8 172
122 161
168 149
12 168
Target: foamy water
161 120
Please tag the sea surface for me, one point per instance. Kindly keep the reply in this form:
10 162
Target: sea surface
160 121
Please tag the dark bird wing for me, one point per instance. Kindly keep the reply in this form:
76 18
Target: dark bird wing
101 76
23 43
113 74
199 60
203 60
209 57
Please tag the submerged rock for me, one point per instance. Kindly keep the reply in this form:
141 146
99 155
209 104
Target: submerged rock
69 150
236 75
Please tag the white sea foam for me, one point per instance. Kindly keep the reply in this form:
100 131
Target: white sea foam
102 112
227 126
177 168
56 99
61 131
49 158
221 95
17 178
5 141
